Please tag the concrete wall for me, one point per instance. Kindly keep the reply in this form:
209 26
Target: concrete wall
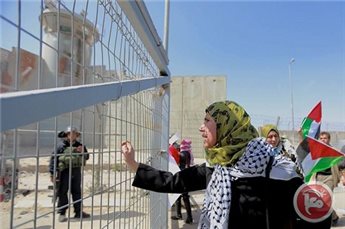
190 95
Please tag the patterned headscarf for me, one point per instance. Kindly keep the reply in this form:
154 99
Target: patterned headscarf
234 131
266 129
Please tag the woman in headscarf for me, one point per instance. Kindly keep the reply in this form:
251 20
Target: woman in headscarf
280 145
271 133
246 187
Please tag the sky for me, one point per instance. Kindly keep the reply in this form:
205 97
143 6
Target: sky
252 44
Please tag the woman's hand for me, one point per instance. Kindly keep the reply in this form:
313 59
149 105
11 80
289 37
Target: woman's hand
128 153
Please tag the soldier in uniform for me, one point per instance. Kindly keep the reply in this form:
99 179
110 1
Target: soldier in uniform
69 157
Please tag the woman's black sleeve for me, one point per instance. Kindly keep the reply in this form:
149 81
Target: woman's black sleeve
187 180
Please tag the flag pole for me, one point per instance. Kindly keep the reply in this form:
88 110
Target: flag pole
292 112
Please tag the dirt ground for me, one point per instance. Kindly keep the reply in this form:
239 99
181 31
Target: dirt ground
128 206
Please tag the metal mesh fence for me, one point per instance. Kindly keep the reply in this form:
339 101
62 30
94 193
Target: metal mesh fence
85 66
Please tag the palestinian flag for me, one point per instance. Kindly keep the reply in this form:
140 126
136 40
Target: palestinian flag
321 157
312 123
310 127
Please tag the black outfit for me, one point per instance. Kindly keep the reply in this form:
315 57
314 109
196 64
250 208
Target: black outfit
184 160
252 198
184 163
63 177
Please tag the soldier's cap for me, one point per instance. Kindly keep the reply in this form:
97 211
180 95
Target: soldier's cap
69 129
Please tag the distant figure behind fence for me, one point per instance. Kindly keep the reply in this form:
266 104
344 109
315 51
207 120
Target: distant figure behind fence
69 157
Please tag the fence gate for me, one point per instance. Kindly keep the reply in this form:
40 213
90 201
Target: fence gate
98 66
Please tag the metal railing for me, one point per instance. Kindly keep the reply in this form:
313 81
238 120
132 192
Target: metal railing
98 66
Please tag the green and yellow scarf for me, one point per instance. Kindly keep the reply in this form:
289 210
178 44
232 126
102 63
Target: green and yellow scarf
266 129
234 131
